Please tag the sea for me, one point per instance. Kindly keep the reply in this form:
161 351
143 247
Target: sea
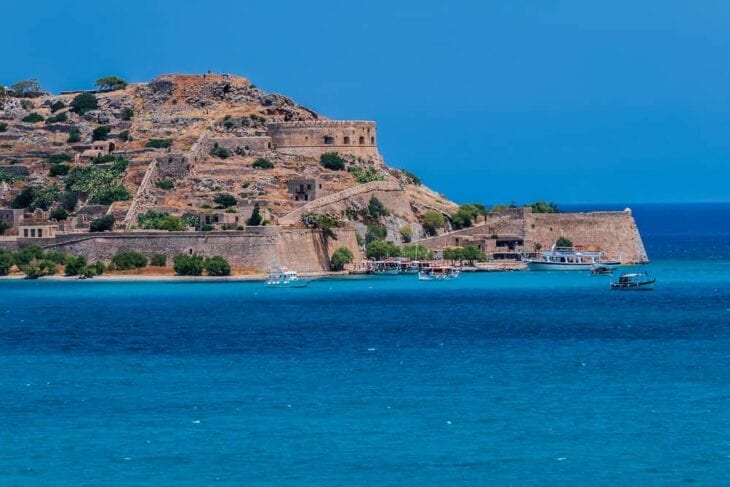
515 378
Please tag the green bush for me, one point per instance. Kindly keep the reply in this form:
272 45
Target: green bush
83 103
6 262
127 113
166 184
102 224
32 117
68 200
124 135
333 161
158 260
220 152
324 222
74 265
416 252
465 216
160 220
59 158
262 163
30 88
27 254
104 158
3 127
410 177
110 83
129 259
544 207
101 133
103 185
27 104
188 265
32 197
38 268
432 221
59 214
74 135
340 258
4 227
365 174
563 242
255 219
159 143
59 117
381 249
56 257
406 233
225 200
24 198
376 208
375 232
99 267
57 105
217 266
58 170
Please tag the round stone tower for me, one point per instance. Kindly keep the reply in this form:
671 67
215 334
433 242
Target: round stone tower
315 137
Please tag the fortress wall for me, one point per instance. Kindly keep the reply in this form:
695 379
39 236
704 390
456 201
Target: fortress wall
259 248
311 138
175 165
614 232
242 145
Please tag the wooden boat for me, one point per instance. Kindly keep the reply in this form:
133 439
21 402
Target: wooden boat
438 273
601 270
637 281
284 277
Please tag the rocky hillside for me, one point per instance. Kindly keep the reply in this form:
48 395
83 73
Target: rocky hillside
152 127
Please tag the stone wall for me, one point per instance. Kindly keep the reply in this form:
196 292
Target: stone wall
258 248
241 145
312 138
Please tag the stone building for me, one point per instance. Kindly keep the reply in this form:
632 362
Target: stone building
37 230
98 148
314 137
304 189
11 217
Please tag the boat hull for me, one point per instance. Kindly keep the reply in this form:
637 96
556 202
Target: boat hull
634 286
565 266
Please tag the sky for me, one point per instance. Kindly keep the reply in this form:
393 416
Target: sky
487 101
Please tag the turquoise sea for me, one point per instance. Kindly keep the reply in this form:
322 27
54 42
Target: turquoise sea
493 379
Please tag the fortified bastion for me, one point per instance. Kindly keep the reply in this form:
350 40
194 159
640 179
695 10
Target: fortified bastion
312 138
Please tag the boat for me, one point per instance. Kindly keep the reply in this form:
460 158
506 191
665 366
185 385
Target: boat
568 259
601 270
636 281
385 267
438 273
284 277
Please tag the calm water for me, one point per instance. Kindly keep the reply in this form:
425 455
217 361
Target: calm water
521 378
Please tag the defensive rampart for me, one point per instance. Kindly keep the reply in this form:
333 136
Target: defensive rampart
312 138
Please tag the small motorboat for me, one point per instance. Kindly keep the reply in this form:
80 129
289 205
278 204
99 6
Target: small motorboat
438 274
284 277
601 270
637 281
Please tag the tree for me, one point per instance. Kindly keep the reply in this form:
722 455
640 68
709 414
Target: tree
166 184
24 198
563 242
432 221
4 227
6 262
57 105
453 254
59 214
375 231
464 216
341 257
84 102
38 268
226 200
220 152
255 219
129 259
110 83
160 220
544 207
27 254
74 135
27 89
416 252
324 222
74 265
381 249
102 224
262 163
376 208
333 161
188 265
127 113
101 133
471 253
217 266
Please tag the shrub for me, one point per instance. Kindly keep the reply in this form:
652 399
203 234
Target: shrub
58 170
365 174
471 253
84 102
158 260
59 158
376 208
406 233
24 198
410 177
56 257
127 113
544 207
255 219
324 222
217 266
57 105
103 159
159 143
340 258
225 200
102 224
99 267
35 197
416 252
159 220
464 216
103 185
6 262
32 117
101 133
74 135
563 242
38 268
59 214
188 265
68 200
27 104
375 232
432 221
110 83
4 227
27 89
166 184
59 117
124 135
262 163
129 259
453 254
333 161
26 254
381 249
74 265
220 152
3 127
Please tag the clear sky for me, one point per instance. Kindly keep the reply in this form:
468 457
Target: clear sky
492 101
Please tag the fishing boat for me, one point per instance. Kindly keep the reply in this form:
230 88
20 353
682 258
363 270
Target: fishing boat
636 281
438 273
568 259
385 267
284 277
601 270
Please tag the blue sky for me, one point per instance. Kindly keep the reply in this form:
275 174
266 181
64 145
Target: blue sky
493 101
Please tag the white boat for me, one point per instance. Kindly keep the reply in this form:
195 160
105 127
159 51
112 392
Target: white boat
438 274
284 277
568 259
637 281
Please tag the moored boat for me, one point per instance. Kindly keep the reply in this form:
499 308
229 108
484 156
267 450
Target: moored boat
601 270
284 277
636 281
438 273
568 259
